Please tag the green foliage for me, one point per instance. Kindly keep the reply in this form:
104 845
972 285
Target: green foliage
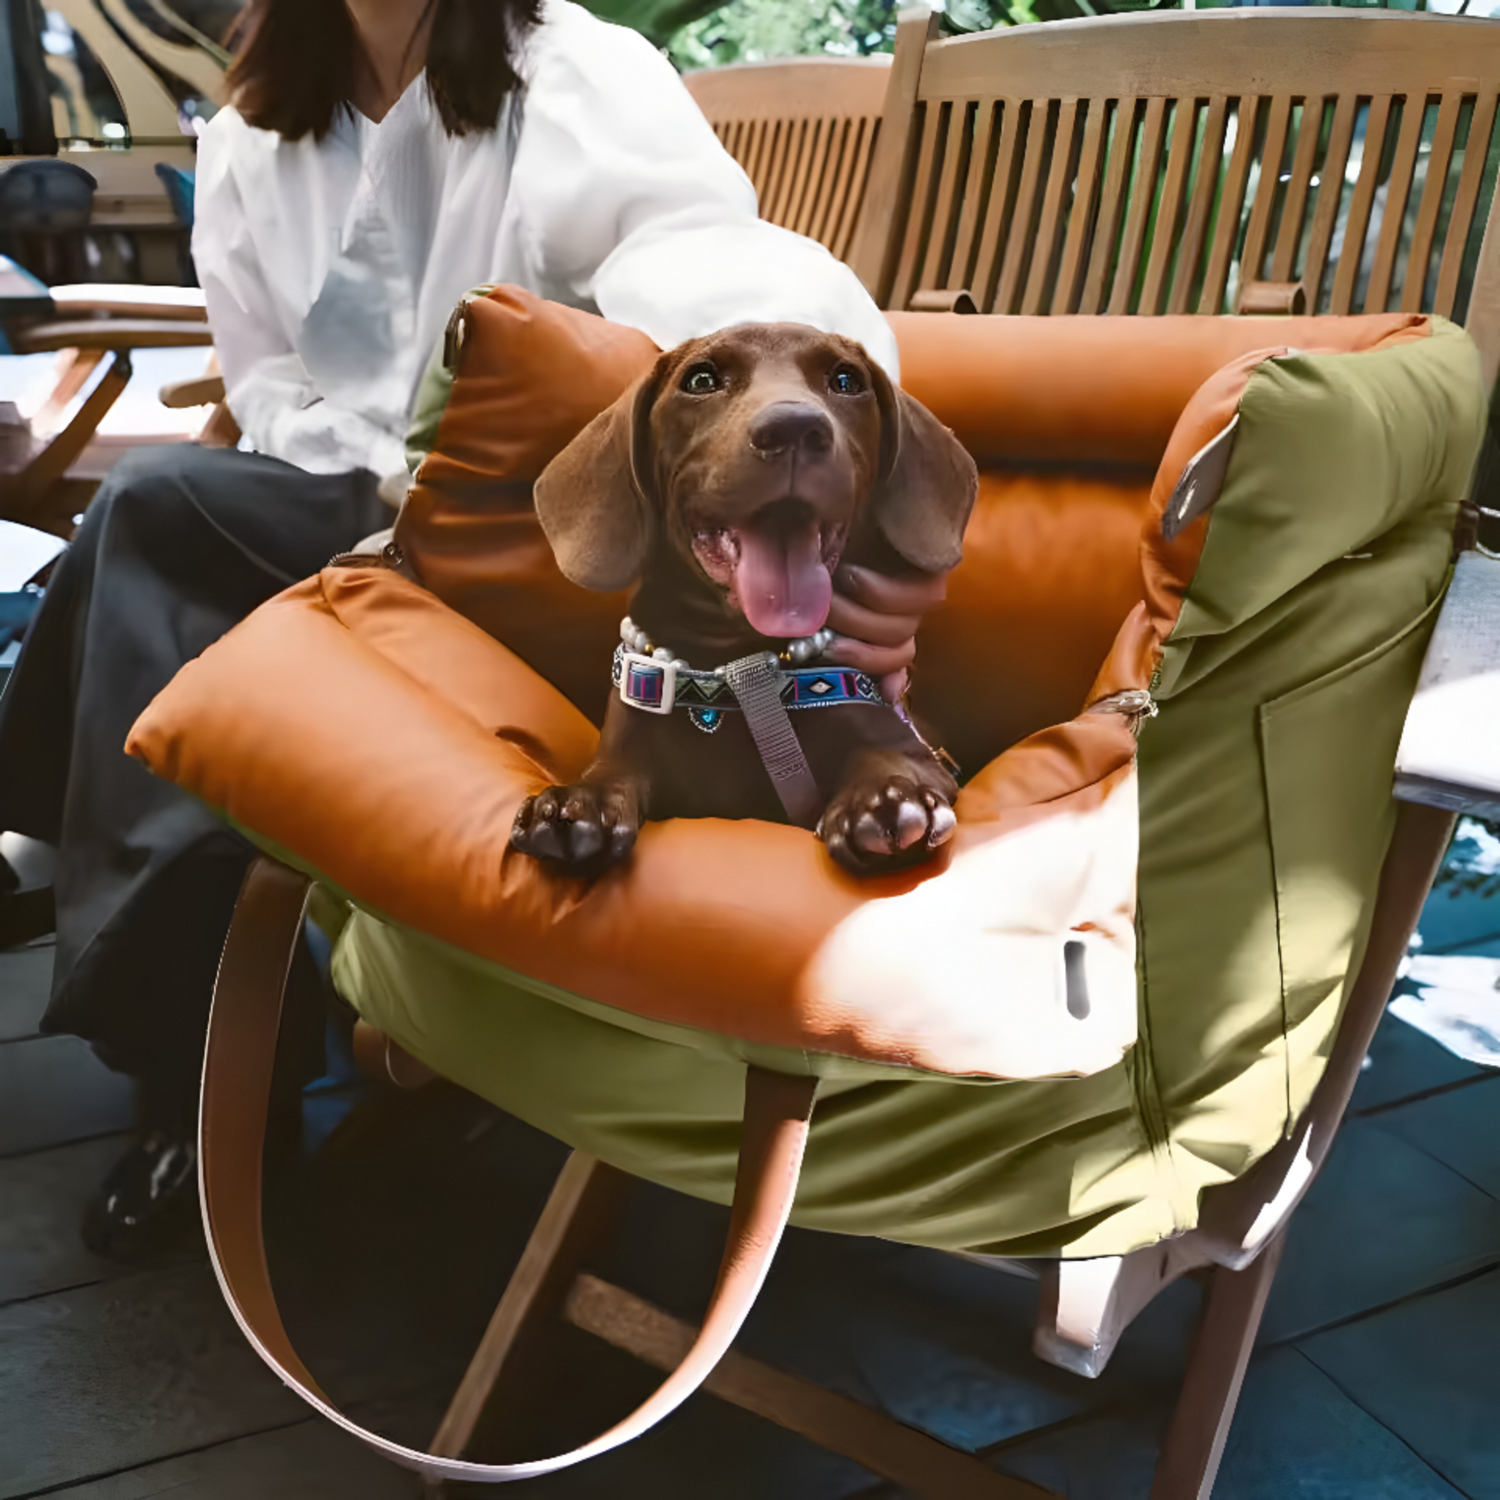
753 30
658 20
708 33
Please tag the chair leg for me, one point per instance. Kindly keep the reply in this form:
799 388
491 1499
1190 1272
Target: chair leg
578 1215
76 367
922 1465
1195 1439
1086 1305
30 498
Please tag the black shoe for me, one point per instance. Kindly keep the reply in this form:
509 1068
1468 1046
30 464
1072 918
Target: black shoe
149 1201
26 911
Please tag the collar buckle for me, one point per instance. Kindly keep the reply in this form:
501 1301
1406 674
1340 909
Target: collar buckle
648 684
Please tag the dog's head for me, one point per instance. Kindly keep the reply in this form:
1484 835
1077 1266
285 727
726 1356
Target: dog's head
755 454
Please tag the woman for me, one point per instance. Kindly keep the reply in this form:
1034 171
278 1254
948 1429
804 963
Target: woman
381 157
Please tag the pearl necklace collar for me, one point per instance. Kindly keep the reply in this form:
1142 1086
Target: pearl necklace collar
798 653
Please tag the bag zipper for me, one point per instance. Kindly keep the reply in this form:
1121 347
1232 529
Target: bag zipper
455 334
1134 704
457 329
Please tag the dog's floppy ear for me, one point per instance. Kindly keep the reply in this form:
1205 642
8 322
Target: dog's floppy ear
927 484
595 499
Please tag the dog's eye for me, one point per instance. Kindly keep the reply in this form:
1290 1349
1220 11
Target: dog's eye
846 381
701 380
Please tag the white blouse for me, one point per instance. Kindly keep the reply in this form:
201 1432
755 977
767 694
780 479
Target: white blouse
330 268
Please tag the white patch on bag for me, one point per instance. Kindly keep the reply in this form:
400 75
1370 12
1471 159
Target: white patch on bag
1017 962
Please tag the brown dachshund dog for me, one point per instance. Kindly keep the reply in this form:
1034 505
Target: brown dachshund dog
731 481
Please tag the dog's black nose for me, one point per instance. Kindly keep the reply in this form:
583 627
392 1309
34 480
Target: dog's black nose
791 424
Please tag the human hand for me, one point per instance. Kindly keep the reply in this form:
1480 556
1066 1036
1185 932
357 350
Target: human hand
875 617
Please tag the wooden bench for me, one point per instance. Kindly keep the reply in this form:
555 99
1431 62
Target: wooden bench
805 131
1191 162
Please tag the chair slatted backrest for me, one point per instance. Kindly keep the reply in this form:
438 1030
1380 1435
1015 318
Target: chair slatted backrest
805 131
1163 163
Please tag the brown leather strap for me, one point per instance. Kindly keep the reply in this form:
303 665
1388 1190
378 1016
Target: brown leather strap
237 1069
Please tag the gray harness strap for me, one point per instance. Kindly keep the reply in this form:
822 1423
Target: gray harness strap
755 682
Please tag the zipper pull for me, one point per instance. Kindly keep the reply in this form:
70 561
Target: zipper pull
1134 704
454 335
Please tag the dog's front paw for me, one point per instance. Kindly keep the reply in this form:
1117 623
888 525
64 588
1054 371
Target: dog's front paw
897 821
582 829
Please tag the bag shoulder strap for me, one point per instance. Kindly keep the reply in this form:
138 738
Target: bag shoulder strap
237 1068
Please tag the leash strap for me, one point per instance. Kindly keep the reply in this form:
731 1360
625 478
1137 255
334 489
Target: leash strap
755 682
237 1067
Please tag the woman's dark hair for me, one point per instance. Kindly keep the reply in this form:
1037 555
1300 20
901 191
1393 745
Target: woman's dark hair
294 65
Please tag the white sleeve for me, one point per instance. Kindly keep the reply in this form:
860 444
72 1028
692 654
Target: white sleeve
267 387
627 201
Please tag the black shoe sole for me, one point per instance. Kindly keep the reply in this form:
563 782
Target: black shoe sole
26 916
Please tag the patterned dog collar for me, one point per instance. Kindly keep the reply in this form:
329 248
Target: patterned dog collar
658 686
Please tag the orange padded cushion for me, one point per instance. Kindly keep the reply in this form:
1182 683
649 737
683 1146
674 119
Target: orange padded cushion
1051 566
531 375
387 742
1084 390
1051 559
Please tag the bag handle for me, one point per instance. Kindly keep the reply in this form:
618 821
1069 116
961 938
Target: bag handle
237 1068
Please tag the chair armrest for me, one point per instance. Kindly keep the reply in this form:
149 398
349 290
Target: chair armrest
109 333
204 390
221 430
1450 749
22 295
166 303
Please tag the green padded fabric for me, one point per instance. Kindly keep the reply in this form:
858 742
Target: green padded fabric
1265 814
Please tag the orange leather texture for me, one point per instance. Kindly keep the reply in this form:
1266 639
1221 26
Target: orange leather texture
1051 567
1085 390
1055 557
531 376
406 739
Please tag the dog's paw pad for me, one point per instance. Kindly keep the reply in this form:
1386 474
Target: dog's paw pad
581 829
895 824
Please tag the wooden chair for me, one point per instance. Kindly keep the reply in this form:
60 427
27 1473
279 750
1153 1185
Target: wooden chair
1084 1306
805 131
1209 161
1119 166
1100 167
88 325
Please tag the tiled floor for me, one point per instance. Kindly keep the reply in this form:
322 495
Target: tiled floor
1375 1380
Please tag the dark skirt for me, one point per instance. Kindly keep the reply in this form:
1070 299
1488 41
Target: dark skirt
179 545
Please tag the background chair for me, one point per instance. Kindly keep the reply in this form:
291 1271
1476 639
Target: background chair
1122 166
805 130
87 326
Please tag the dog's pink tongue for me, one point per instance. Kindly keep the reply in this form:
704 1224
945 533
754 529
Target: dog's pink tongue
780 581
